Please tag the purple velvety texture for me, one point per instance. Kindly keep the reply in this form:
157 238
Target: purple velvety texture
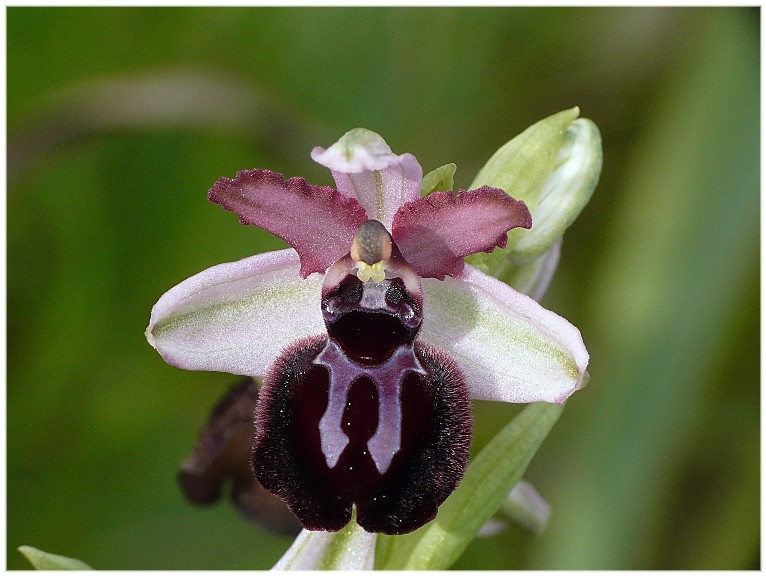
223 452
366 417
288 458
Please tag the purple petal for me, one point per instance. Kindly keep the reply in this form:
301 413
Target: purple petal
435 233
315 220
237 317
363 417
364 168
509 348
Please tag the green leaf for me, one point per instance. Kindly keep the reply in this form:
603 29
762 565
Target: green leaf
442 178
47 561
488 479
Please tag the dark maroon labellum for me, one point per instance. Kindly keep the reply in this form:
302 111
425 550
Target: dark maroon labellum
366 416
222 454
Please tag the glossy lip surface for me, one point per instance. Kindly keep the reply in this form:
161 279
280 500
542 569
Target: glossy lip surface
370 320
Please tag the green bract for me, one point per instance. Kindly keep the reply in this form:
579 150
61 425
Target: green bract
553 166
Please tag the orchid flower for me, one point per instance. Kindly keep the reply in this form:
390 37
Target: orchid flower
371 333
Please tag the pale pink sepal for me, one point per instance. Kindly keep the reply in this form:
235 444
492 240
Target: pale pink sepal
317 221
364 168
237 317
533 278
491 527
435 233
330 551
509 347
544 268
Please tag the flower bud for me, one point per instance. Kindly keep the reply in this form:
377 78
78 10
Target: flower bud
553 166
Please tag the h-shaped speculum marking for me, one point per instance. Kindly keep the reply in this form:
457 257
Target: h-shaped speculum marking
388 378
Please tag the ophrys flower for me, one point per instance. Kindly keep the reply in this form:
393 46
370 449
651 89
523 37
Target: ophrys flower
371 333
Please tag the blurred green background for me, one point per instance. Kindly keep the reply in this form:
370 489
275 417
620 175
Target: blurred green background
119 119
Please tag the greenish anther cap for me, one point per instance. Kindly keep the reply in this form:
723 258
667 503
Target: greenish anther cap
361 140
